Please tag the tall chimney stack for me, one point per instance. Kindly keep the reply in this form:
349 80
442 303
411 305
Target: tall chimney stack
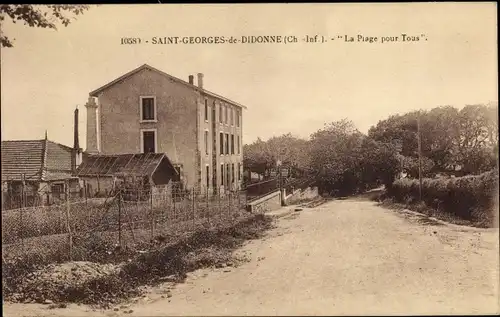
76 140
191 79
75 152
200 80
92 126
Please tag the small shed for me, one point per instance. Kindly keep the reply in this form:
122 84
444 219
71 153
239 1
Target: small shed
102 174
36 172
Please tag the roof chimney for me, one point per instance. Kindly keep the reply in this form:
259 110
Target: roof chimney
191 79
200 80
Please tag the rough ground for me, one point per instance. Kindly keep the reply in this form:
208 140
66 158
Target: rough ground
343 257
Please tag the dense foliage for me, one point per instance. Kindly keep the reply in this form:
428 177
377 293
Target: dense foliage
342 160
471 197
453 140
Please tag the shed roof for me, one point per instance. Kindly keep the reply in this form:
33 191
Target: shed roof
95 92
144 164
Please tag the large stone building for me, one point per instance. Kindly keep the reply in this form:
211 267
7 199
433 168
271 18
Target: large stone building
147 110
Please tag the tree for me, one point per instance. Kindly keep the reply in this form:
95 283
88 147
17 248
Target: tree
450 138
439 130
400 129
379 163
477 139
256 158
42 16
347 161
290 150
411 166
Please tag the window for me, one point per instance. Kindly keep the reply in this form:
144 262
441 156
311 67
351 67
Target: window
206 110
148 108
231 114
214 178
180 171
222 173
222 143
239 171
206 142
228 175
213 112
225 114
227 143
207 170
232 143
237 117
233 171
220 113
239 151
57 190
148 141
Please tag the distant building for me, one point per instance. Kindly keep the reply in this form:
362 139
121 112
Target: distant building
44 167
149 111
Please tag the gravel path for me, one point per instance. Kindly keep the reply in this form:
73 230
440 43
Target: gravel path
343 257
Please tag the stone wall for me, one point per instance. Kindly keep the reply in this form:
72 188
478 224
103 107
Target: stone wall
267 203
301 195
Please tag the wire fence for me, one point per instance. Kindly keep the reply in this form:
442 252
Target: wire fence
91 229
131 217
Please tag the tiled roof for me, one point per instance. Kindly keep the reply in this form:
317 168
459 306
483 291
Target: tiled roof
146 66
22 157
37 159
123 164
58 157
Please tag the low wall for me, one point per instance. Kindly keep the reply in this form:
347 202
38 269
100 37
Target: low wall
301 194
267 203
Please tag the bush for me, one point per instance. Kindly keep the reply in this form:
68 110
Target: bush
471 197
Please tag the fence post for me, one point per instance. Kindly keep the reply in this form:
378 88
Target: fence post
85 192
218 203
22 190
239 203
173 203
21 233
152 214
138 201
9 190
68 224
194 210
229 208
120 218
208 207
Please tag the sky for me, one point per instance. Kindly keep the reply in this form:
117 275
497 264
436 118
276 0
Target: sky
294 87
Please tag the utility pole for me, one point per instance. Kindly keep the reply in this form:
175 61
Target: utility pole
419 158
278 164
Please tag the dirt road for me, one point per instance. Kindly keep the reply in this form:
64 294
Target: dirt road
343 257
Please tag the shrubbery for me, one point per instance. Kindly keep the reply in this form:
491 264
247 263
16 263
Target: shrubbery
472 197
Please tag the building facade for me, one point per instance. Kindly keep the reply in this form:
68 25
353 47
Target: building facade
149 111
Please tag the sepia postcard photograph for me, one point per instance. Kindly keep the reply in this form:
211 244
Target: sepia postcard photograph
249 159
